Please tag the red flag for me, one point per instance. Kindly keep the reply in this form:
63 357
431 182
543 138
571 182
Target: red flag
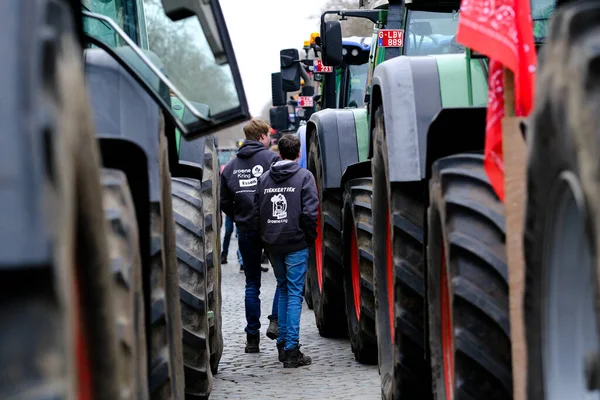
503 31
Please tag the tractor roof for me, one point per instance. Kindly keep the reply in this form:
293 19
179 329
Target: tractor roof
363 42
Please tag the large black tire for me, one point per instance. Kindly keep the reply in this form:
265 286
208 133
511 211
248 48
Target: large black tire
469 325
398 220
124 252
166 374
562 223
189 221
357 236
325 259
212 248
307 292
48 308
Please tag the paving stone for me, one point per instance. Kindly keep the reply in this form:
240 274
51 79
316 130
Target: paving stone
334 374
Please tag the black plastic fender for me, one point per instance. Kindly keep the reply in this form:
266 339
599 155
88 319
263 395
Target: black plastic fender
191 158
336 132
454 131
358 170
123 109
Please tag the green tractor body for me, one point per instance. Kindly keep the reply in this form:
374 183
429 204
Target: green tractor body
388 191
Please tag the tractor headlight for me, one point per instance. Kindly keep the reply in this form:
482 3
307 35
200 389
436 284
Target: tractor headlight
344 51
355 52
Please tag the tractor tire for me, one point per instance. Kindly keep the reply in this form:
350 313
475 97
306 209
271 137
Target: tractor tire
166 374
57 338
189 221
562 221
398 221
124 252
212 248
325 258
467 287
357 236
307 293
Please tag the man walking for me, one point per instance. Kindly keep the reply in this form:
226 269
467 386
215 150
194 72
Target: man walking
238 184
285 211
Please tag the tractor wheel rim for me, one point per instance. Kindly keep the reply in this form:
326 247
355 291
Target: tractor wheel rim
84 374
569 321
355 273
447 331
319 250
390 273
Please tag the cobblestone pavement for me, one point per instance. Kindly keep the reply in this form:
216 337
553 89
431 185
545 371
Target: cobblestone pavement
334 374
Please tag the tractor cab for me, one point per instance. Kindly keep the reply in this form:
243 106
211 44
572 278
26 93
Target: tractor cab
185 61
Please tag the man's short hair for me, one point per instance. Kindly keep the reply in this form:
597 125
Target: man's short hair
289 147
256 128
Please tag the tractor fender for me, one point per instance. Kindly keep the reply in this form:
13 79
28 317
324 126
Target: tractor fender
359 170
409 90
335 130
467 123
191 158
123 109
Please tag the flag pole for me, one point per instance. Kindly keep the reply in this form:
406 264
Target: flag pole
514 154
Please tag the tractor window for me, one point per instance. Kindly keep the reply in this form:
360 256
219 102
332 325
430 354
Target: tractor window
541 10
188 60
356 85
126 13
431 33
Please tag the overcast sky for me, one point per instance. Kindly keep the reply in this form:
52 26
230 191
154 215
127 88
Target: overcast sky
258 30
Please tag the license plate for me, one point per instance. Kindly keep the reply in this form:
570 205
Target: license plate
391 38
319 68
305 101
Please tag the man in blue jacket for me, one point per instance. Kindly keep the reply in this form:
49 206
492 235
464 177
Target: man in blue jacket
239 180
285 212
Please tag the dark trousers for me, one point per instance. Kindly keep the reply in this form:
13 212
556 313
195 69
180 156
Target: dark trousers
228 233
251 249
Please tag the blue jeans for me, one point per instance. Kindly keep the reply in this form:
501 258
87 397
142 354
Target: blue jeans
251 249
290 271
228 232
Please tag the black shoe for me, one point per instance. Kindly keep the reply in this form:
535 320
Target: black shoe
241 269
223 258
264 269
281 352
273 329
252 342
294 358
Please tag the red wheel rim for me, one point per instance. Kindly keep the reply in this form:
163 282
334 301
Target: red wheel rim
319 246
84 375
319 251
447 334
390 273
355 273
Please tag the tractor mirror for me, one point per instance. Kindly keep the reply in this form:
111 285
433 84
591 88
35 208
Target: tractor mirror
289 60
331 40
277 93
279 118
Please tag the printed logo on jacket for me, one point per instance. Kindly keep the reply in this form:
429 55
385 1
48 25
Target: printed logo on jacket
248 177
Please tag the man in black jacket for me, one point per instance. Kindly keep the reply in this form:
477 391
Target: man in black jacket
285 212
239 180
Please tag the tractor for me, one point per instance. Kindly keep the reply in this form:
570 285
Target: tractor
550 179
110 211
411 235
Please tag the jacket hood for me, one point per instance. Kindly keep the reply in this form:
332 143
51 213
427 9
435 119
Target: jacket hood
282 170
250 148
